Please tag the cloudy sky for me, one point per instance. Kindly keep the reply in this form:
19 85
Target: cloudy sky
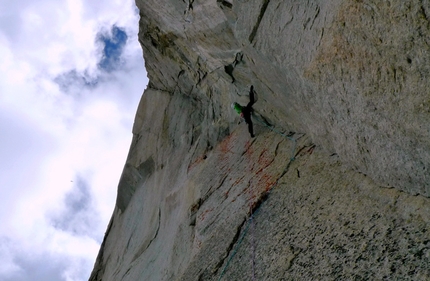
71 76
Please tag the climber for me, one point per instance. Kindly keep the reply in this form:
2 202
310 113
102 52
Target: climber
246 111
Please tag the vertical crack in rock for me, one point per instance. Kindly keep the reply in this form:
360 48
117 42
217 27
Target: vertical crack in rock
240 179
230 246
254 208
320 37
315 17
260 17
196 206
145 247
277 147
126 273
193 211
211 191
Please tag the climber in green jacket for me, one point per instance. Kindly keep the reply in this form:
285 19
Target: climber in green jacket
246 111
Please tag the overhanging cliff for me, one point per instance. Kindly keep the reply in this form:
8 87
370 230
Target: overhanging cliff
337 178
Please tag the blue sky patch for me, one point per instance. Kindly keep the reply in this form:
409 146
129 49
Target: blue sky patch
74 80
113 44
79 216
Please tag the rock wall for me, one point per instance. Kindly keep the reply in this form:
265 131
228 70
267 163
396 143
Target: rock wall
336 183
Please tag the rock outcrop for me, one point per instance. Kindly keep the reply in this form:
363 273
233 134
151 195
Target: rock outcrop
335 185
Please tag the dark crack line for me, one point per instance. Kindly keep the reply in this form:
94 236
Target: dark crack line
277 147
248 219
212 190
247 148
158 228
315 17
321 36
156 232
260 17
192 159
197 206
126 273
153 238
231 247
266 166
253 212
265 195
231 187
301 149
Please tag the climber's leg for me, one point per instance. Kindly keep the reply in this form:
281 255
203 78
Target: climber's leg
247 116
251 97
251 129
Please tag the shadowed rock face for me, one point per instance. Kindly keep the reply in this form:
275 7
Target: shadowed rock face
348 81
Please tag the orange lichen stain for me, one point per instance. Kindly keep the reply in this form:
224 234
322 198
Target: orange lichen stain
263 155
311 149
257 160
264 160
224 153
263 179
248 148
237 181
197 243
266 182
227 143
226 194
252 194
203 215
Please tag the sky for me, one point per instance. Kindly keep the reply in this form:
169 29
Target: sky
71 77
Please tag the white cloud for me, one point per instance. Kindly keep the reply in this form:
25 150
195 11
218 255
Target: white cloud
55 137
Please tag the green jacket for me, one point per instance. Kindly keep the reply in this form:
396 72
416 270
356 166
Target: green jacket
238 108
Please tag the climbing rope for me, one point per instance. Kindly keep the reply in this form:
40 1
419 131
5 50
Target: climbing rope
254 212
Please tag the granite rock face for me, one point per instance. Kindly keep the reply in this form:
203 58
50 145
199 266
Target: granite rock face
335 185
